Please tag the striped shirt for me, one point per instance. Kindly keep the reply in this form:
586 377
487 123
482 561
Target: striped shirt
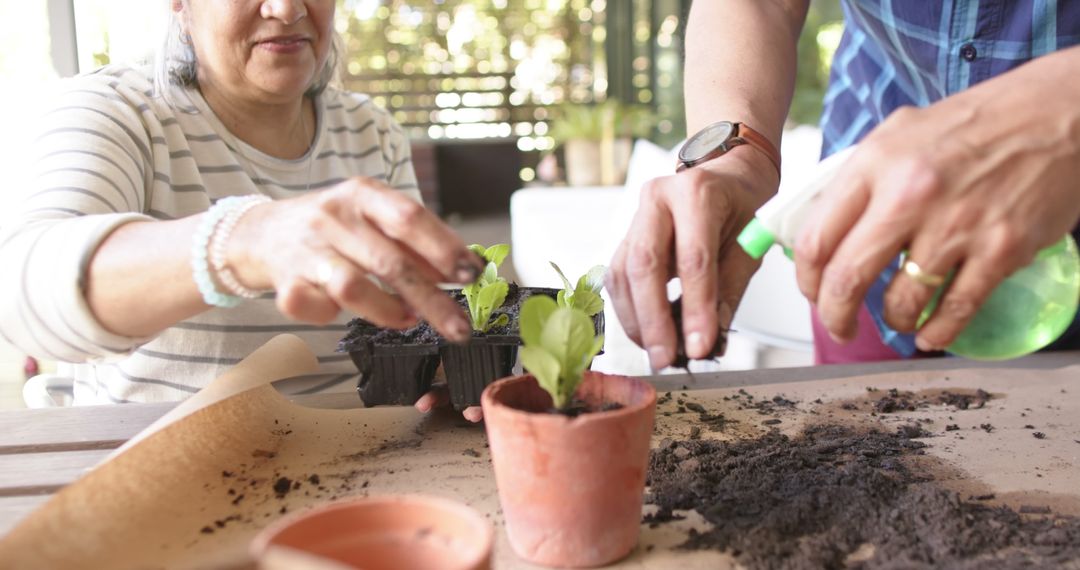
895 53
108 152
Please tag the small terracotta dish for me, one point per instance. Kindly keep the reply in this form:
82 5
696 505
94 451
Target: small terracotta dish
378 533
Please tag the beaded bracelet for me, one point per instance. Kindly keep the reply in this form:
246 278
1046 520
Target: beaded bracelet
200 245
219 239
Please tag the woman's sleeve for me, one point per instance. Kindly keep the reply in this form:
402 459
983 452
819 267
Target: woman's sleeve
88 165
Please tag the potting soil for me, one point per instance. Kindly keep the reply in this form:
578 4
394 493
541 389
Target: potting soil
837 497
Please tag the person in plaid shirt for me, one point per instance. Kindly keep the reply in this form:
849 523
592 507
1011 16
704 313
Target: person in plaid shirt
967 115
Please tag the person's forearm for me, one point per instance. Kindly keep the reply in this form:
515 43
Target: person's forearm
740 62
139 280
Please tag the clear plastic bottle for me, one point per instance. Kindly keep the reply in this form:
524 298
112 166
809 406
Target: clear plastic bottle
1026 312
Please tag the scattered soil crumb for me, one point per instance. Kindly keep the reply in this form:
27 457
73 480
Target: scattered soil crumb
966 401
471 453
282 486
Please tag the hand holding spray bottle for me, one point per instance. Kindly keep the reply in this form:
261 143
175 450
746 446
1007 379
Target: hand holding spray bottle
1026 312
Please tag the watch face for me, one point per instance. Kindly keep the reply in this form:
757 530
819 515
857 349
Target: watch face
706 141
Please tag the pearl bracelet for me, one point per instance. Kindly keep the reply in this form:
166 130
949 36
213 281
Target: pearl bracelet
200 248
219 240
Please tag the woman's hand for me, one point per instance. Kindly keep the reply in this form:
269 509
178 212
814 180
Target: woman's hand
686 227
976 183
319 250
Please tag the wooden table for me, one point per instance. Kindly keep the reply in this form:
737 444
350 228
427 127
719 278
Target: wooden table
43 450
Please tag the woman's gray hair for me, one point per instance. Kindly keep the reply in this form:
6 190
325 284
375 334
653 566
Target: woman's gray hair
174 63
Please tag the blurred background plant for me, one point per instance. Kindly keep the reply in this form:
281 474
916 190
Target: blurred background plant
610 118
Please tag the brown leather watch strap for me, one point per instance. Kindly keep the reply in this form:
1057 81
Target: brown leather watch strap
759 141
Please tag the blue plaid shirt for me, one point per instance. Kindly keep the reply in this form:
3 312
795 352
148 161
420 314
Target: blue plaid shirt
915 52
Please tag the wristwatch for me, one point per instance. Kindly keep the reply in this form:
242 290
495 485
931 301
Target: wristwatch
719 138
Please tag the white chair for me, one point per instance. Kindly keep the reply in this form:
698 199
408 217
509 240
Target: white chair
48 391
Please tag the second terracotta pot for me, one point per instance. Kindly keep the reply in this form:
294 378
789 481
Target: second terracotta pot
378 533
570 488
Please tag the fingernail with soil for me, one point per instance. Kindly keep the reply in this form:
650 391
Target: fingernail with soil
925 345
658 357
466 271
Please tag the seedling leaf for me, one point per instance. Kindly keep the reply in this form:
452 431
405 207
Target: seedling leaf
534 314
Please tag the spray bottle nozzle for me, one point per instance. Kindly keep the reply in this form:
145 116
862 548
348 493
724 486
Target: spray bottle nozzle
756 239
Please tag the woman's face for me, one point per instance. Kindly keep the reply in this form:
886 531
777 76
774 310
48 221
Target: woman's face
258 50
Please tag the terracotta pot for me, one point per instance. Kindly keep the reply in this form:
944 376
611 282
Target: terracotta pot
571 488
378 533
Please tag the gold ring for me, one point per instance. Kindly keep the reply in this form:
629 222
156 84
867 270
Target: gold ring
912 270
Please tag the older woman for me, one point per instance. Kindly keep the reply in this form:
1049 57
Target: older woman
162 200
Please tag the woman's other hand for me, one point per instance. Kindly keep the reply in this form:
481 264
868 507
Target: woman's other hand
976 183
440 396
318 252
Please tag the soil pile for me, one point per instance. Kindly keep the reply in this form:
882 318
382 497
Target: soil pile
836 498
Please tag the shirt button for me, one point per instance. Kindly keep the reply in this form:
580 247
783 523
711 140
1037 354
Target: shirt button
968 52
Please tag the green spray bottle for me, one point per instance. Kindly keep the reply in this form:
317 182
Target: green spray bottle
1026 312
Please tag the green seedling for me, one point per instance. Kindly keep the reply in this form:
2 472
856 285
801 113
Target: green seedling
586 294
560 343
489 291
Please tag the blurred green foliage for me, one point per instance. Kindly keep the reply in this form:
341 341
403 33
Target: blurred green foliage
820 36
592 121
